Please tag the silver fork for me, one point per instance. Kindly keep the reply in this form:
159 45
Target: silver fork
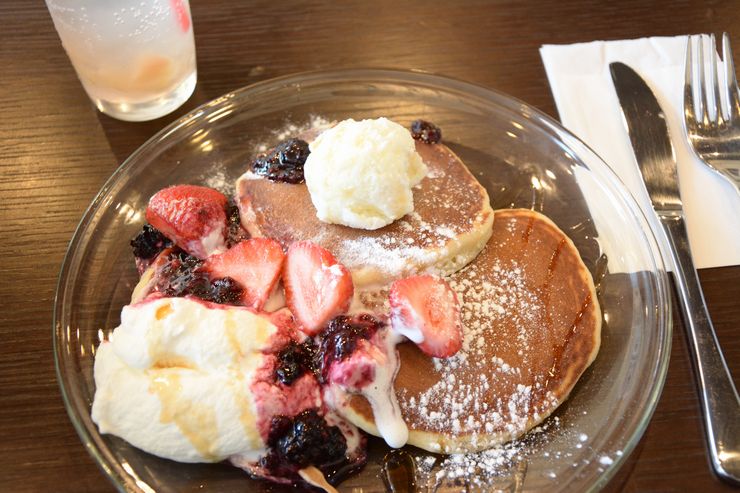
713 126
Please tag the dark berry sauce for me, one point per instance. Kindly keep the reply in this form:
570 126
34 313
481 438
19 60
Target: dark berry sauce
340 339
337 342
294 360
284 163
180 275
308 440
149 242
226 291
426 132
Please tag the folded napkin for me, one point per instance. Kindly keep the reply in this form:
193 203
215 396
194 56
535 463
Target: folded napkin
588 106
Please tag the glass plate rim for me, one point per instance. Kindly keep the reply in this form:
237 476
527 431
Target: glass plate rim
126 482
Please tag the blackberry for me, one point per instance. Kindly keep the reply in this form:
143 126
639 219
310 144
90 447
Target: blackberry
225 291
180 277
293 152
306 439
293 361
284 163
149 242
340 339
425 131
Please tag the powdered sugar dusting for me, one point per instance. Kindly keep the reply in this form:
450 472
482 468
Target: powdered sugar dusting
483 471
391 256
218 179
544 456
417 246
315 123
478 392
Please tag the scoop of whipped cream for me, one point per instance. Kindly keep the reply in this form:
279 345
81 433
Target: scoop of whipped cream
174 380
360 174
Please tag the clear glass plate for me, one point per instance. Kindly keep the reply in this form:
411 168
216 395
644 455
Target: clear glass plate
524 159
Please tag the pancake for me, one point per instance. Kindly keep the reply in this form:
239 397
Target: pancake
450 224
532 325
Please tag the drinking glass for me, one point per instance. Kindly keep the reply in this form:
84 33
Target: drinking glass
135 58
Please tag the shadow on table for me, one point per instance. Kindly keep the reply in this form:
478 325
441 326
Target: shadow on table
125 137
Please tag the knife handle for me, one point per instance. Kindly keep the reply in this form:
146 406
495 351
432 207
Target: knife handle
719 398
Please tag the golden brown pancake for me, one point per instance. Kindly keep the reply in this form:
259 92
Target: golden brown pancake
450 224
532 325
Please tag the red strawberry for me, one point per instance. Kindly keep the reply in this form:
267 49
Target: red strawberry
425 309
317 287
193 217
255 264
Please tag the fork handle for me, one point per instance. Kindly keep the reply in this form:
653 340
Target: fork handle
719 398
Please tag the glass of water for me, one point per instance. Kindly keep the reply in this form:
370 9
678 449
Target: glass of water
135 58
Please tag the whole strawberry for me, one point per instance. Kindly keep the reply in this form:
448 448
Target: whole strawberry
193 217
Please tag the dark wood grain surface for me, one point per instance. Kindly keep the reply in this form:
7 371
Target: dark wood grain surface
56 151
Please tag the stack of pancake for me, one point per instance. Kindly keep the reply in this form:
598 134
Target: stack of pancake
531 319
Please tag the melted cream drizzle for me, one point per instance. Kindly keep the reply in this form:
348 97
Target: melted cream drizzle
382 396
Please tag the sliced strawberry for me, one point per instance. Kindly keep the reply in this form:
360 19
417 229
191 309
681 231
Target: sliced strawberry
425 309
193 217
317 287
255 264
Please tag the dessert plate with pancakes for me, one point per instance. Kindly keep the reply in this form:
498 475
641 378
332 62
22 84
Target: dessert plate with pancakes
565 306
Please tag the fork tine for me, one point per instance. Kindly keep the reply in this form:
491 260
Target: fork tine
733 105
712 140
688 85
714 78
702 83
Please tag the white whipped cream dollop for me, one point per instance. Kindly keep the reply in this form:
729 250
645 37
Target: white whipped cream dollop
361 174
174 380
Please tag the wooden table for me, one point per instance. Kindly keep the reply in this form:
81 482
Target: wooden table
56 151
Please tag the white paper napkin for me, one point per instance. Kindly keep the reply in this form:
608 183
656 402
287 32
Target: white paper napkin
588 106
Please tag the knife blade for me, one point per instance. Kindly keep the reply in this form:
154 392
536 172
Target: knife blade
651 142
648 131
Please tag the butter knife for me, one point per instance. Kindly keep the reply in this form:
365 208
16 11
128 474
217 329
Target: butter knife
648 132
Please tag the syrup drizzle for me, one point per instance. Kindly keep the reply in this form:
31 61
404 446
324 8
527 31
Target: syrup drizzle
559 351
528 231
545 293
196 421
554 261
399 472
